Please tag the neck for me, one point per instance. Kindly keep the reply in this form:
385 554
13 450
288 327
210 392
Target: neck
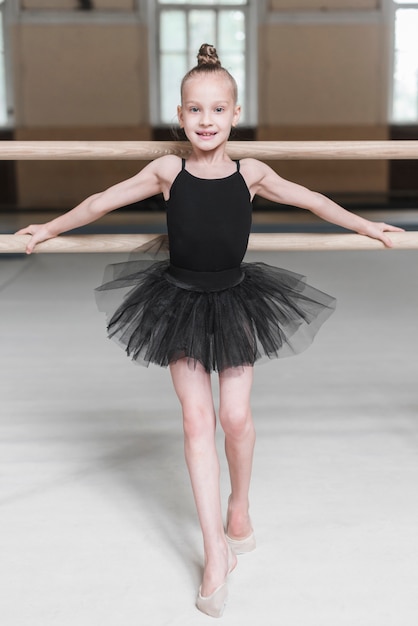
208 158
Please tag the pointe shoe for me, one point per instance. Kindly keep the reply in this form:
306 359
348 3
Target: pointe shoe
214 604
242 546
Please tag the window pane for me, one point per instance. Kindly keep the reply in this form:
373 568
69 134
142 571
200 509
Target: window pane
173 31
405 93
231 31
202 29
203 2
173 68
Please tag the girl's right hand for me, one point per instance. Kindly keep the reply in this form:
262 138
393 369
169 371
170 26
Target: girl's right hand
39 233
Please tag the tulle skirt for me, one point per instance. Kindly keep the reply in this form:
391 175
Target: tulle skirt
271 313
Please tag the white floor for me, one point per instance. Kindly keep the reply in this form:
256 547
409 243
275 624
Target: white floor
97 522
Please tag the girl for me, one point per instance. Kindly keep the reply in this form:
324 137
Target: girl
203 309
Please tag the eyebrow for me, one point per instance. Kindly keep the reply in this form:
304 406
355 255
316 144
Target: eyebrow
216 103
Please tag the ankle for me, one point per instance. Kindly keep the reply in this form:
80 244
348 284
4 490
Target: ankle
216 553
238 505
238 521
218 564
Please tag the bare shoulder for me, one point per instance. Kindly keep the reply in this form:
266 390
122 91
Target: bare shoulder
166 165
253 168
166 169
253 172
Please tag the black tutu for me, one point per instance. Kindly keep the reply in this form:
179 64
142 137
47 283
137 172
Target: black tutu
271 313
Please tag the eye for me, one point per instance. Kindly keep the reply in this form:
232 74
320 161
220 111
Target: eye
219 109
194 109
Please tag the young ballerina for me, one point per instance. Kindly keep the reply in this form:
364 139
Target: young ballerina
204 309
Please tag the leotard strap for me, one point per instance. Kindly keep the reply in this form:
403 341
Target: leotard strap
238 164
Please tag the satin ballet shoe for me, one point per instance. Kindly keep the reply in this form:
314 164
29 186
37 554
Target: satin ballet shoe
214 604
242 546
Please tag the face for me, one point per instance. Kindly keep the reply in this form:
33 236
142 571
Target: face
208 110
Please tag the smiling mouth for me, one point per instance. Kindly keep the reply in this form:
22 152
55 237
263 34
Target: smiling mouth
206 134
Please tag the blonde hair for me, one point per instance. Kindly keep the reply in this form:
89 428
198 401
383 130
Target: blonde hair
208 62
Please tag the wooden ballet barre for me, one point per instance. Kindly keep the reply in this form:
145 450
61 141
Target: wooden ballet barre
15 244
149 150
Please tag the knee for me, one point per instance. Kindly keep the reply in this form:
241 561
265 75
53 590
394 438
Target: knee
198 421
236 421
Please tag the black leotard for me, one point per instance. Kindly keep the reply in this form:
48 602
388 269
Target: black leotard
208 222
205 303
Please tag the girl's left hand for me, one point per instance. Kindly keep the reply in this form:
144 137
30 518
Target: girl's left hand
377 230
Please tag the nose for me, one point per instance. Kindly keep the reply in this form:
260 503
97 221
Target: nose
205 119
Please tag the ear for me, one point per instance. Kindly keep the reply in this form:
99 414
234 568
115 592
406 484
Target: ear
180 115
237 115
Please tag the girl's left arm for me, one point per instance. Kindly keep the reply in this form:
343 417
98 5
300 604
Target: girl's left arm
271 186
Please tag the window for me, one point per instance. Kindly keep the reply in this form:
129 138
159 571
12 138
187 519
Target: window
182 28
405 81
3 96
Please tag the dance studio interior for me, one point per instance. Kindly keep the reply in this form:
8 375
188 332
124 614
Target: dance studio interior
98 523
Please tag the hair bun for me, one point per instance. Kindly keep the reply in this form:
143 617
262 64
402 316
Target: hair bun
207 55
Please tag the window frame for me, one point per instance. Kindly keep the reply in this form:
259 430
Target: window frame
393 8
250 9
6 10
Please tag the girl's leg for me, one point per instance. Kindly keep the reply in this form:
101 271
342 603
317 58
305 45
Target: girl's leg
193 388
236 420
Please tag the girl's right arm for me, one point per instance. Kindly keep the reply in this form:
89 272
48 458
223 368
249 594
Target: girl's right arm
153 179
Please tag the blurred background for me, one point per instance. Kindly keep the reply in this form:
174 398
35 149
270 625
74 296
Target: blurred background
110 70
